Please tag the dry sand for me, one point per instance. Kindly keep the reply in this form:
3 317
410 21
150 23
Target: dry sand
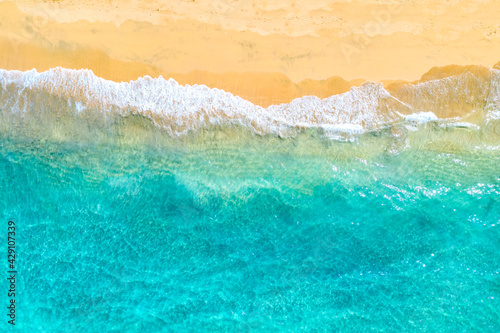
266 52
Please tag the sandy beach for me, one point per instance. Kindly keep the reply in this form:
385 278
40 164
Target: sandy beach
266 53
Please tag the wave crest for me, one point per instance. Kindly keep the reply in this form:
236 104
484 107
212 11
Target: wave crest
181 109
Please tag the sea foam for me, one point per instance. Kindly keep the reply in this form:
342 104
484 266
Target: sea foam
181 109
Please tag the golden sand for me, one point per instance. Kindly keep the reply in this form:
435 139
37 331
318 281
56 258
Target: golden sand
266 52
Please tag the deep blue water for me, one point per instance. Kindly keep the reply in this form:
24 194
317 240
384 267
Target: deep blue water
242 237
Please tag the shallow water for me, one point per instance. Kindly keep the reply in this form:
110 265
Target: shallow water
253 233
156 208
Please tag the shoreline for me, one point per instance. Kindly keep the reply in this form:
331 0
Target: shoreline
61 99
271 67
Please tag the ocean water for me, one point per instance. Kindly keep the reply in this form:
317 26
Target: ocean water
127 223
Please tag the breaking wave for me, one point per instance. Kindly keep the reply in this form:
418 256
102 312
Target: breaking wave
469 99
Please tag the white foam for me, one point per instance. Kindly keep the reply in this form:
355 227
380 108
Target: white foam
421 117
180 109
183 108
493 102
460 124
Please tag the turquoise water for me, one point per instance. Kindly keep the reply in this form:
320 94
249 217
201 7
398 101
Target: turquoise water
233 232
152 207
